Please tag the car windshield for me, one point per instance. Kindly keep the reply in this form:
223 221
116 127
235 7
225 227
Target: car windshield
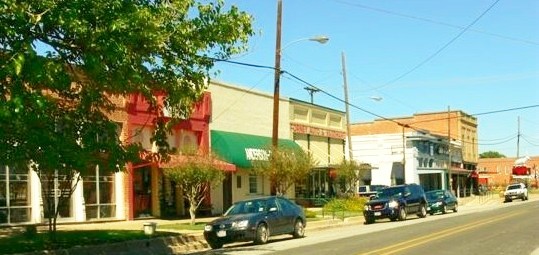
513 187
390 192
252 206
433 195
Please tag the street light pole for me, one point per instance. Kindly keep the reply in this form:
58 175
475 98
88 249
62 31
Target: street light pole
277 68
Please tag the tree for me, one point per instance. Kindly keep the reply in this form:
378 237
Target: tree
285 167
61 63
195 178
491 154
349 172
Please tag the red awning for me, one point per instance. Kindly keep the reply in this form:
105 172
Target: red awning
177 160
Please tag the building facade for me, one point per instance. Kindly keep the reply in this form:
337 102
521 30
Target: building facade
420 145
499 172
322 132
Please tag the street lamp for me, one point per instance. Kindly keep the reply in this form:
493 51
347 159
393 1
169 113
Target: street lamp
277 75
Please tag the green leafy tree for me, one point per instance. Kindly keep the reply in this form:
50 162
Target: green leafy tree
62 63
285 167
491 154
349 173
195 178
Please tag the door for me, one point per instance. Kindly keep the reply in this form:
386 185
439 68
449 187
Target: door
142 192
227 191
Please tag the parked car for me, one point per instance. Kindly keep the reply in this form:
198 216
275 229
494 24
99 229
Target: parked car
369 190
516 191
256 220
441 201
396 203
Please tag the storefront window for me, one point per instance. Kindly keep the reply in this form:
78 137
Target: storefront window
14 195
99 195
253 184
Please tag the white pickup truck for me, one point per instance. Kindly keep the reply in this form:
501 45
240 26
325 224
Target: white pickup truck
516 191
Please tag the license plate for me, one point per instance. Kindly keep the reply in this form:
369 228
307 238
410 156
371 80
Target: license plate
221 233
377 213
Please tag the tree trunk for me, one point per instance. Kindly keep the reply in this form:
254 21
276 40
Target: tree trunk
192 210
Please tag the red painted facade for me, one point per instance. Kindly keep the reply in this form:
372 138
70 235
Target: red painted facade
140 114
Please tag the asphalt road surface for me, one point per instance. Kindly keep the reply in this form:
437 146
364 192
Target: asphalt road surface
511 228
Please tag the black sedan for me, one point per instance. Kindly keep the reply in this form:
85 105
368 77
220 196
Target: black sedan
441 201
256 220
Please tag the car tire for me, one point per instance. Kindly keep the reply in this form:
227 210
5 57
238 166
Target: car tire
444 209
370 220
215 244
456 208
422 211
402 213
299 229
262 234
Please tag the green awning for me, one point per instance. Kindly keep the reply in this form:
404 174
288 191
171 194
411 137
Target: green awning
241 149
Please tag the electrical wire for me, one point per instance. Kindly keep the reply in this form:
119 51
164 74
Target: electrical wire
436 53
434 22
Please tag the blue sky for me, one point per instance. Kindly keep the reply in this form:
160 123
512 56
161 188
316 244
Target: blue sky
418 55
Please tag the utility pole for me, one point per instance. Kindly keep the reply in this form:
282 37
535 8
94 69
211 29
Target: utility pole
345 82
449 148
518 138
277 77
311 91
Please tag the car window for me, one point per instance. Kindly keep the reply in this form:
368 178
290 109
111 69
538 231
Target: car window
390 192
513 187
252 206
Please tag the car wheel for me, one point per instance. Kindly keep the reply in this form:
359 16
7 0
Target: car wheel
299 229
456 208
422 211
444 209
370 220
215 244
431 213
402 213
262 234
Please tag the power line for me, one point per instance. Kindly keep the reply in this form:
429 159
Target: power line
441 49
435 22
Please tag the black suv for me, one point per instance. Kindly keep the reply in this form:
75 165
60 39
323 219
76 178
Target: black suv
396 203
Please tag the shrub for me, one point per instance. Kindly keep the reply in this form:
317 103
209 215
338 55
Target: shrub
310 214
352 204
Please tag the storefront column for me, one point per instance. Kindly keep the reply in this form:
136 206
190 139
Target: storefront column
156 207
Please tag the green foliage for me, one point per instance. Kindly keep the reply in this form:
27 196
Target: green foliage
352 204
195 177
309 213
285 167
20 243
349 172
491 154
62 63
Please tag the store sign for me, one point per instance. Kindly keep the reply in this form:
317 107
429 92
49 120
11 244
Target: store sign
521 170
257 154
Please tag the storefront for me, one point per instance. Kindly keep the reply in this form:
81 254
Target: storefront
241 150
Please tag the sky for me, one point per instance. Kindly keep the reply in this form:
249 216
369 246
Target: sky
480 57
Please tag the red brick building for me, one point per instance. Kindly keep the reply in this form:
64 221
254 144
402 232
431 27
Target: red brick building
496 172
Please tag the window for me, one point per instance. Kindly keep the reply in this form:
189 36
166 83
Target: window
99 195
253 184
14 195
238 181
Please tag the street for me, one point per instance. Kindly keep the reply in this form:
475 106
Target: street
509 228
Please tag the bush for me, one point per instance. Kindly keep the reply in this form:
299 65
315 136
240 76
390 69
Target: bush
352 204
310 214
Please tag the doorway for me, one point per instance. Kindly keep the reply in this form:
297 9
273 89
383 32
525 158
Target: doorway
142 189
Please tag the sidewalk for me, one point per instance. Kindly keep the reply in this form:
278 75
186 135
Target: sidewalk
191 241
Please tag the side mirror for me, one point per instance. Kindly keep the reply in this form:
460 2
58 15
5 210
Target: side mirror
372 197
